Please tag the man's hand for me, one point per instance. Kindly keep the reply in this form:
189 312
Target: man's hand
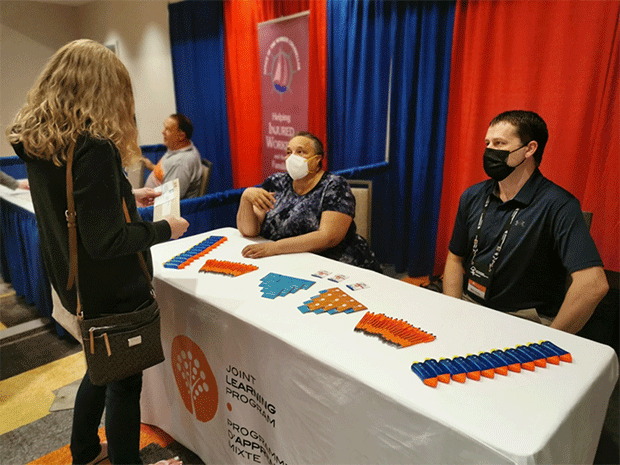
587 289
148 164
264 249
145 196
23 184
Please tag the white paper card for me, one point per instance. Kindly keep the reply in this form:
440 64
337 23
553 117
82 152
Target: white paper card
168 203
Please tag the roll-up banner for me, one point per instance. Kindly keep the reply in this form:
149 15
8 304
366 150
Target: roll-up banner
283 52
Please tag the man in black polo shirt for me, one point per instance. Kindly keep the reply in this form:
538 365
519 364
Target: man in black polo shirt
517 235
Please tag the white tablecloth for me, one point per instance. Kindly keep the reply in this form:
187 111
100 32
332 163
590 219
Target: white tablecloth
19 197
273 385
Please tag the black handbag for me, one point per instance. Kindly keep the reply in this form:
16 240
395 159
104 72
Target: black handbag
116 345
120 345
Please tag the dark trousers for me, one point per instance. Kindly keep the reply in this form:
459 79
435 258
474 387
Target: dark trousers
121 400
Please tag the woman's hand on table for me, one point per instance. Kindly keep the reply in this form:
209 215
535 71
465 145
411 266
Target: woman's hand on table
259 198
264 249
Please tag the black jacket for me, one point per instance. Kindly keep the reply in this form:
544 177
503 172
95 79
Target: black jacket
110 277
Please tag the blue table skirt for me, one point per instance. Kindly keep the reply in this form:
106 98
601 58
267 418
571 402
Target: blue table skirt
21 262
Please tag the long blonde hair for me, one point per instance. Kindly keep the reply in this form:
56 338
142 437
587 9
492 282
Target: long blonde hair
84 88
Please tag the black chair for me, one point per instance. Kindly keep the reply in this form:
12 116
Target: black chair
207 167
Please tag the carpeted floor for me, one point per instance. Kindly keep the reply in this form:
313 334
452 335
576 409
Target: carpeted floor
36 419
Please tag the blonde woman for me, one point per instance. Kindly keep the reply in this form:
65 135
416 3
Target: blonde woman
84 97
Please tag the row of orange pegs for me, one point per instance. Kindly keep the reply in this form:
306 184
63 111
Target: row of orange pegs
394 331
224 267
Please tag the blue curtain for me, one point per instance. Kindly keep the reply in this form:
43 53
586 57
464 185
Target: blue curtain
211 211
358 69
365 38
197 48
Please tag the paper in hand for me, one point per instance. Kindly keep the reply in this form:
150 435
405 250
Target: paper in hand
169 202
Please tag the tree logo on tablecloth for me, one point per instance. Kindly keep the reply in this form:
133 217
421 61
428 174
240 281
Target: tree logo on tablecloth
194 378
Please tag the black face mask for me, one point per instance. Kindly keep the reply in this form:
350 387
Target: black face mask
495 165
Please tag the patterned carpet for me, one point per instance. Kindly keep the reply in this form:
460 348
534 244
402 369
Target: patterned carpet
36 408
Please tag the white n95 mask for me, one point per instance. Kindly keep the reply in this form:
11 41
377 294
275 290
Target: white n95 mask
296 166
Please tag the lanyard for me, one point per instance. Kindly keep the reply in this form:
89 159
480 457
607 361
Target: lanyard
498 249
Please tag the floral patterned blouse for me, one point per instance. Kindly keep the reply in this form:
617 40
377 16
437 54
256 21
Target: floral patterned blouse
294 215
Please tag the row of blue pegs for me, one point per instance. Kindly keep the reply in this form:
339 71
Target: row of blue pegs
488 363
183 257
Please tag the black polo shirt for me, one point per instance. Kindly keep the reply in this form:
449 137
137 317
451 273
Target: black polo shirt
548 239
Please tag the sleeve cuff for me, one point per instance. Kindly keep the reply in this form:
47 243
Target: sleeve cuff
162 230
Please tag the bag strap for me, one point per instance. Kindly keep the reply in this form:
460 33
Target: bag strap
71 222
71 216
145 270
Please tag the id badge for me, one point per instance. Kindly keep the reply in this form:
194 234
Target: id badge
478 282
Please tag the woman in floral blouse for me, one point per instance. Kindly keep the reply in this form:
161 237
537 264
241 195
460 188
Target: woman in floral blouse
304 210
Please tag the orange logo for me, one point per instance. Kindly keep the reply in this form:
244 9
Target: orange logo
194 378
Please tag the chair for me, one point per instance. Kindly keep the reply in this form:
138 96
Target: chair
207 167
362 191
136 174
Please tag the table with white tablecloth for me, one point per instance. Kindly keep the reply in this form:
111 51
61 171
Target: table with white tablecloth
252 379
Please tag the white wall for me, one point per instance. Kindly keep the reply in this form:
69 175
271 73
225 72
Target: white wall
32 31
140 30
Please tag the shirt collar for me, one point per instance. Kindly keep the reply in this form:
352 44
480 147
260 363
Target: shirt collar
184 149
527 192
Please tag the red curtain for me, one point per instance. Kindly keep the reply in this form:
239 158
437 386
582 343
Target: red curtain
559 59
241 18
